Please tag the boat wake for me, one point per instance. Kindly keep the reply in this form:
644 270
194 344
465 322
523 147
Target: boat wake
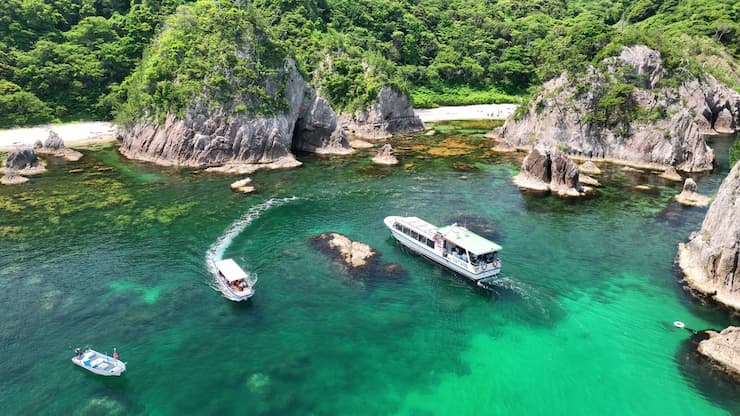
216 250
532 297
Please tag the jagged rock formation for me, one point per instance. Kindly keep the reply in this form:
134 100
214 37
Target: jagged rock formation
385 156
206 138
391 114
671 174
21 161
54 146
723 349
690 196
550 170
651 128
710 259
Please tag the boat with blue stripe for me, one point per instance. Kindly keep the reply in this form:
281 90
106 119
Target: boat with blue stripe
99 363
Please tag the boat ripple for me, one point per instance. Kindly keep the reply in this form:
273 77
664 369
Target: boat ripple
217 249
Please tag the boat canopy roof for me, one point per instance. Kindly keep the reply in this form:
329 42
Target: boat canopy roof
468 240
420 226
231 270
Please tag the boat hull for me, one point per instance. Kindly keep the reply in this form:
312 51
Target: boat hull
437 256
107 366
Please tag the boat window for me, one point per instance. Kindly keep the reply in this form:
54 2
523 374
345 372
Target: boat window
430 243
414 234
404 230
397 226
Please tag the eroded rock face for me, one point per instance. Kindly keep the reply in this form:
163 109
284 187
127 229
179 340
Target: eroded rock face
565 115
710 259
723 349
716 106
549 170
391 114
53 142
22 159
205 137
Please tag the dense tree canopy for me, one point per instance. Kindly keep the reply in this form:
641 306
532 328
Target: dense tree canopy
68 58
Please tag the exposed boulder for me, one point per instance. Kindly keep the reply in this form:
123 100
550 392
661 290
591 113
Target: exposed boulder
710 260
570 114
385 156
53 142
206 137
358 259
20 162
22 159
723 349
550 171
54 146
689 195
716 106
391 114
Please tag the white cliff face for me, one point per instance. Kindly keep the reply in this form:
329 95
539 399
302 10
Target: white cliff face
710 259
391 114
207 137
562 116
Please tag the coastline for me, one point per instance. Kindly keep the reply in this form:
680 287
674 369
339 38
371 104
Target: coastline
83 133
76 134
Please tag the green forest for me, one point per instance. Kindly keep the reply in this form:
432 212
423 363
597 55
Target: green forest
63 60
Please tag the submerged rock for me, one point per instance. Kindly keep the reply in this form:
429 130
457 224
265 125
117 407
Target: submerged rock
723 349
385 156
709 260
243 186
689 195
391 114
589 168
550 171
566 116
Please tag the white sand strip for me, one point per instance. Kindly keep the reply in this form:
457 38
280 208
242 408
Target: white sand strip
467 112
73 134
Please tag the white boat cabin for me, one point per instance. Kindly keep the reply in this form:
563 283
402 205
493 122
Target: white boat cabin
235 279
453 246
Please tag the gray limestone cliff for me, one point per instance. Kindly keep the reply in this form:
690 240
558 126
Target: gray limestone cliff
623 113
391 114
207 137
723 348
710 260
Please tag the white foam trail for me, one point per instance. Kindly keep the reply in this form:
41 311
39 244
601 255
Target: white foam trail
216 250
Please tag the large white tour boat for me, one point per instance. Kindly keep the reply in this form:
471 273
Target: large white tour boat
233 282
454 247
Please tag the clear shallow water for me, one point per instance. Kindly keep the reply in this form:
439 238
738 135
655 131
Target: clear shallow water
117 256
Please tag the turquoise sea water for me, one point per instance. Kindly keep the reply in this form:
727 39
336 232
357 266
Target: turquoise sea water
117 256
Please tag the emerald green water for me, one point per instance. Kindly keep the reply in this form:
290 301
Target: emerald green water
117 256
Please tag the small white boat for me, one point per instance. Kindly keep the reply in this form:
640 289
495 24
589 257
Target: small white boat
99 363
454 247
233 282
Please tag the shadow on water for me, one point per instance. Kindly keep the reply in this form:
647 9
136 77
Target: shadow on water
709 381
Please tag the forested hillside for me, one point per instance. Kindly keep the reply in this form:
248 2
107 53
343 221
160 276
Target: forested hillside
66 59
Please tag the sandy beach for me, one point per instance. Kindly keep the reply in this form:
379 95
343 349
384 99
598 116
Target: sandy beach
74 134
467 112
